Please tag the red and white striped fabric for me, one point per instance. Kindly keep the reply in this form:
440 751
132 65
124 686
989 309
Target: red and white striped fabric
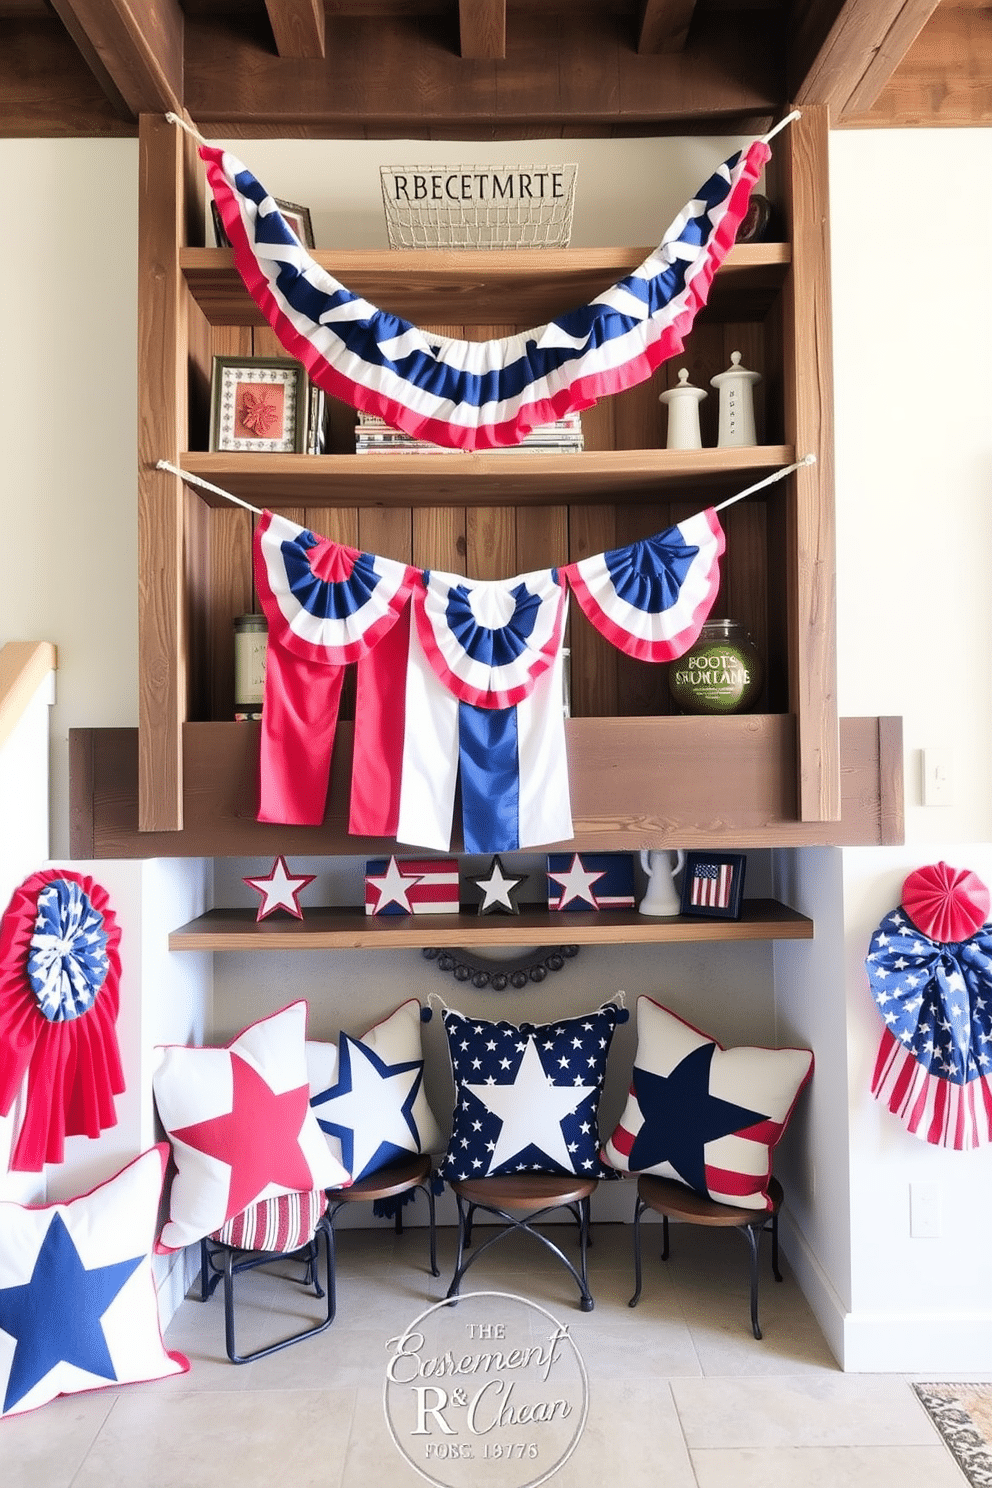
284 1223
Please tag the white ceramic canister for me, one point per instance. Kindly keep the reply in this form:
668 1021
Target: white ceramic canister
736 387
683 403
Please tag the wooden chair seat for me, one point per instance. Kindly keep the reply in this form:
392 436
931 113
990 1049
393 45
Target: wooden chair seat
674 1200
521 1201
412 1171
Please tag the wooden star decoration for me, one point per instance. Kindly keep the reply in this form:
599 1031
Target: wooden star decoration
280 890
498 889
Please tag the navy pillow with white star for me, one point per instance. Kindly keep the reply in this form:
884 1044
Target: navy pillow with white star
78 1305
527 1096
707 1116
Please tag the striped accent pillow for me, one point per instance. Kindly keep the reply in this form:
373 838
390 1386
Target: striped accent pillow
283 1223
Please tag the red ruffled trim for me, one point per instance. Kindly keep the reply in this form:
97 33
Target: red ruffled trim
73 1068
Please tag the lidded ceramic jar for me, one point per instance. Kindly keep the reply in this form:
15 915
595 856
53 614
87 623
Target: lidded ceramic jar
721 673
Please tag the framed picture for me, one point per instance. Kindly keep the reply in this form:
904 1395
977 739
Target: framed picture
298 218
259 405
713 884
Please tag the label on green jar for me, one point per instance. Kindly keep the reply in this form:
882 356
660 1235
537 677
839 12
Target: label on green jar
713 679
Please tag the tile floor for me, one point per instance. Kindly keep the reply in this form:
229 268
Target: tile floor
679 1392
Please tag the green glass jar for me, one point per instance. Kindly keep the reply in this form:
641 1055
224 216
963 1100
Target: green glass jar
721 673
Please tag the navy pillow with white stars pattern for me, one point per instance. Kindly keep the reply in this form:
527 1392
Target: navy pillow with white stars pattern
527 1096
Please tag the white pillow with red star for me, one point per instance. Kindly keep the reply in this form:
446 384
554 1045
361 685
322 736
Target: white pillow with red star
240 1124
706 1116
368 1093
78 1306
527 1095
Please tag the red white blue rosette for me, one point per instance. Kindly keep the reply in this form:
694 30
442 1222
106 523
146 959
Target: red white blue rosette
59 987
650 599
489 641
323 601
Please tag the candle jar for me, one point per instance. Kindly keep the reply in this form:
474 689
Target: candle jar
721 673
250 638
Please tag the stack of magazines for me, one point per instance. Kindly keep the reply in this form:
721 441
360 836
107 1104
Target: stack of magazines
373 436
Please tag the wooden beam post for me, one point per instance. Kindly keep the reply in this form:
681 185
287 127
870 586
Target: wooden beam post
163 168
664 25
801 159
482 29
298 27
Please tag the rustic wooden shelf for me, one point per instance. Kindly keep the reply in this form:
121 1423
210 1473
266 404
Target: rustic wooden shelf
352 929
462 479
443 286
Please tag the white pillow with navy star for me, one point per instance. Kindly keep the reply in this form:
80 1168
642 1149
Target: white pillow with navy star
707 1116
527 1096
368 1094
78 1306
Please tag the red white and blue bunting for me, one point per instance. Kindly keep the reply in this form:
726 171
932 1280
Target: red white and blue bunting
459 681
480 394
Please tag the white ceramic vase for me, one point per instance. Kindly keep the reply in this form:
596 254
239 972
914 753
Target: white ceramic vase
662 897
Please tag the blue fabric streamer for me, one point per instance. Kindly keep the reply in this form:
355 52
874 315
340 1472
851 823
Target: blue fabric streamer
490 778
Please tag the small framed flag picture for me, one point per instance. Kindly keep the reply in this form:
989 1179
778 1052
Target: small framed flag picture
713 884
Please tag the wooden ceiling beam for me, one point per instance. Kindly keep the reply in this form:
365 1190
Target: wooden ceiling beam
944 79
297 26
664 25
844 55
482 29
562 75
134 48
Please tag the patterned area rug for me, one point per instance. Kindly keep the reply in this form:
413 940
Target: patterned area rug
962 1414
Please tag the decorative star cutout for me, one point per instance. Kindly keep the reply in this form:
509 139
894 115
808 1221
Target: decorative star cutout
577 883
370 1108
499 890
394 885
279 890
259 1138
531 1107
680 1117
56 1316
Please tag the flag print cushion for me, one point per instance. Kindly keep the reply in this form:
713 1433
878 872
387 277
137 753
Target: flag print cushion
240 1125
368 1094
78 1306
707 1116
527 1096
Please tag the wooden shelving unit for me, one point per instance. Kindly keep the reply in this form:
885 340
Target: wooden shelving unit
791 773
352 930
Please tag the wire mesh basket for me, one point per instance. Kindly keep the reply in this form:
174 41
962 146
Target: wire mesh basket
478 206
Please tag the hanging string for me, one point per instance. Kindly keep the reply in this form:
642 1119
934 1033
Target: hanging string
195 480
768 481
796 114
175 119
765 139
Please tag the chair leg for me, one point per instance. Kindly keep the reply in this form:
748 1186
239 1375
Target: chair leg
751 1234
639 1208
311 1278
774 1229
433 1227
511 1222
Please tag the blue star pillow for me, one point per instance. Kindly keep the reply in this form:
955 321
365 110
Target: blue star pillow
78 1307
368 1094
707 1116
527 1096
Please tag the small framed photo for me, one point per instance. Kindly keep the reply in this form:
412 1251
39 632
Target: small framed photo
713 884
298 218
259 405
